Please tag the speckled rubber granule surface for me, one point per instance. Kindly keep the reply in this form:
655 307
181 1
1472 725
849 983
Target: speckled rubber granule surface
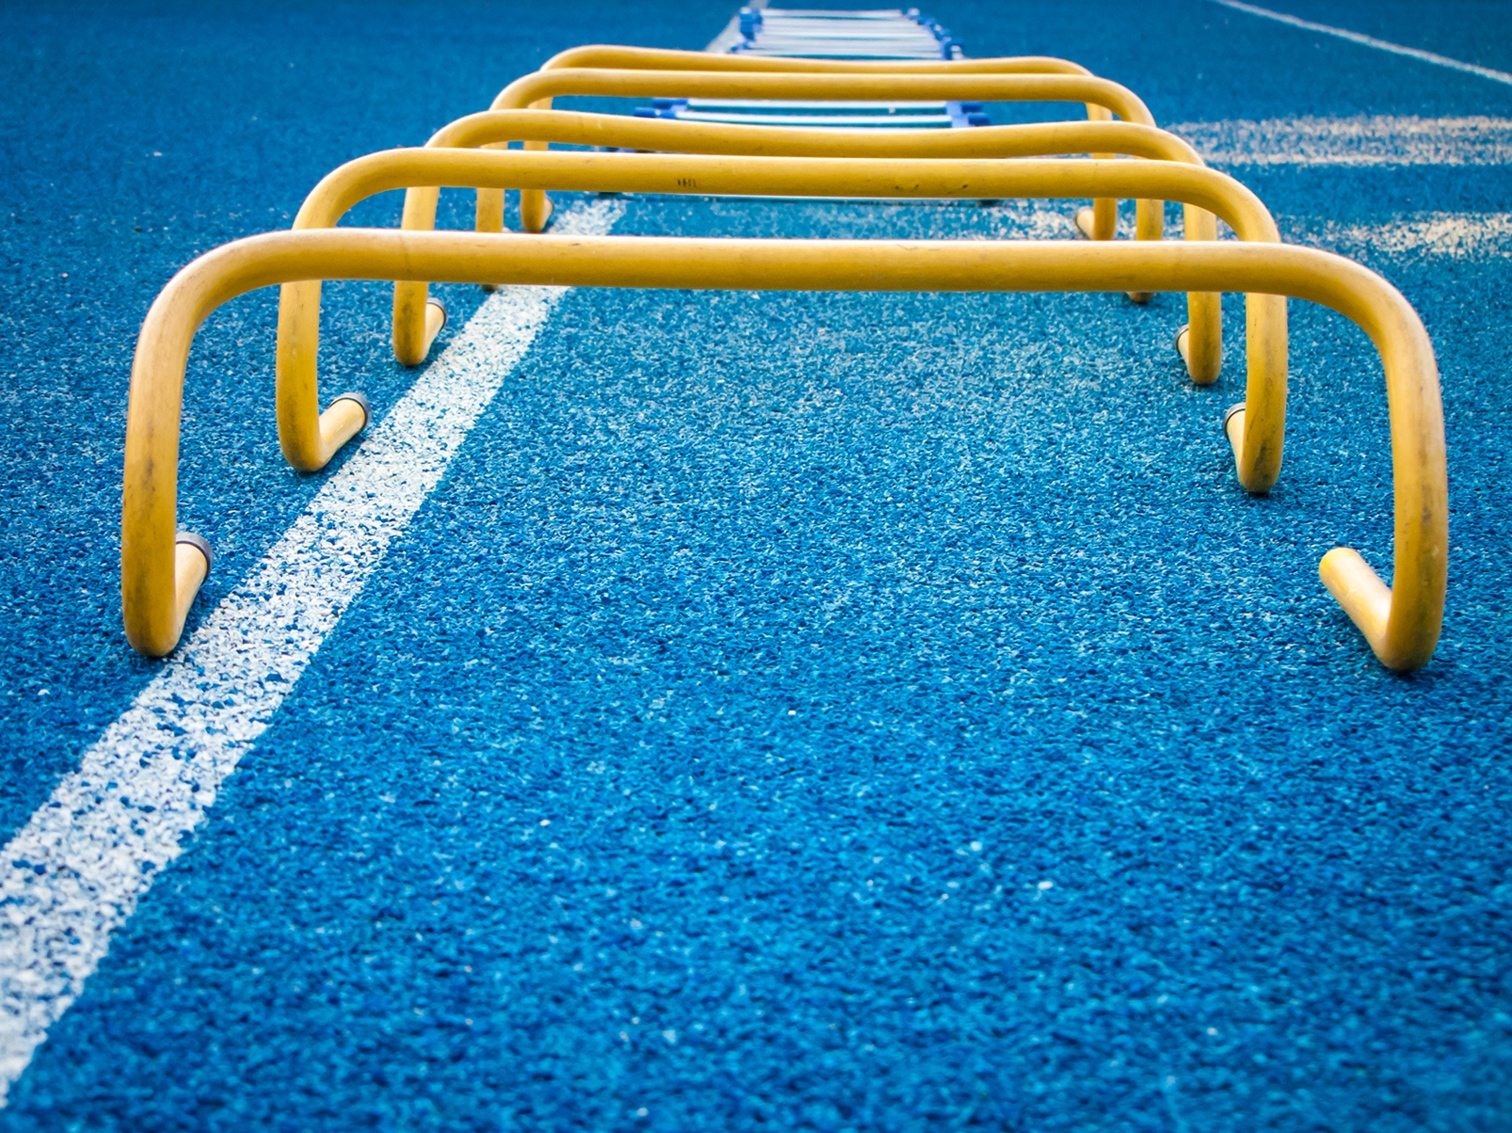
792 711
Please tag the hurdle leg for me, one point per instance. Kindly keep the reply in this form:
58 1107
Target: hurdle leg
1256 427
1100 222
1149 224
418 319
535 206
1200 342
308 437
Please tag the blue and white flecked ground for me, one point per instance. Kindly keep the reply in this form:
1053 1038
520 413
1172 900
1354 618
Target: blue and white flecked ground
793 711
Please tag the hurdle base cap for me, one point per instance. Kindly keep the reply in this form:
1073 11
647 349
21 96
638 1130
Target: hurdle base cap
199 543
360 399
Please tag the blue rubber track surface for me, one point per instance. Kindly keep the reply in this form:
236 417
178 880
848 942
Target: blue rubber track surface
833 712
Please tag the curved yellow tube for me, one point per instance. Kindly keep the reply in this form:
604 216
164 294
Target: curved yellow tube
535 205
1401 624
610 55
1202 347
1203 190
572 127
538 88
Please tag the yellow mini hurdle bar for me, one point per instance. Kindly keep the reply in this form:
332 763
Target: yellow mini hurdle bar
539 87
309 439
619 57
162 569
416 324
1099 224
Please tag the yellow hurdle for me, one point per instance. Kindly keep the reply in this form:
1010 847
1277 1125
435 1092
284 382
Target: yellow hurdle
310 439
416 323
882 84
162 569
1099 222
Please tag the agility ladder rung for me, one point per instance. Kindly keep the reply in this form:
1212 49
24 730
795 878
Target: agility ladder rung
813 34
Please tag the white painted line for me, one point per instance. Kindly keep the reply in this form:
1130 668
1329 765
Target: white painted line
1370 41
1365 140
1439 235
75 872
1445 235
722 43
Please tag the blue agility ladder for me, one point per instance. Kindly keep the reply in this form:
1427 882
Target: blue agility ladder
798 33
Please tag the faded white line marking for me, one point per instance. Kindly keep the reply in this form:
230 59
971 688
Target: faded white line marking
1452 235
1025 220
1370 41
75 872
1365 140
726 40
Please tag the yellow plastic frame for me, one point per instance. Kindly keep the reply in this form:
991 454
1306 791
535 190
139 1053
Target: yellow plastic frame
415 326
1099 225
310 439
160 573
883 83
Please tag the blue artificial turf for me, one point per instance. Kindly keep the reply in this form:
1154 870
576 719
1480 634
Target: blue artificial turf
792 711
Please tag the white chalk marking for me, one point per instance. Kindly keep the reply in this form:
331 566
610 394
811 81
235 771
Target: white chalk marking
1364 140
726 40
1370 41
1444 235
75 872
1449 235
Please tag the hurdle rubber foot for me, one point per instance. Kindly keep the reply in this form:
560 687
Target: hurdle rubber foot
199 543
435 320
362 402
1233 428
